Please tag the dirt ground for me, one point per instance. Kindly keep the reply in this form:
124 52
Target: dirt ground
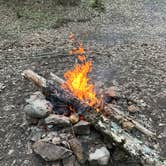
127 44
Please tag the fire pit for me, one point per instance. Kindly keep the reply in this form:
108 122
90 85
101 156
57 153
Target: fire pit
74 125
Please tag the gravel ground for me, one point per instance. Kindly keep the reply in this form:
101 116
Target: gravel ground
127 44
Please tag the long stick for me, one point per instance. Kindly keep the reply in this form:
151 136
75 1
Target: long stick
119 115
132 145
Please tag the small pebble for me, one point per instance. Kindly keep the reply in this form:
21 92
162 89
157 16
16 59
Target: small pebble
10 151
133 108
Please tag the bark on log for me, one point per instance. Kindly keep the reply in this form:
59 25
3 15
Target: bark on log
132 145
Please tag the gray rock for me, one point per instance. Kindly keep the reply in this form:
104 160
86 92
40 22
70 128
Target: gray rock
49 136
82 128
51 152
64 136
36 134
8 107
39 108
162 135
2 86
77 163
56 163
36 95
26 163
69 161
100 156
58 120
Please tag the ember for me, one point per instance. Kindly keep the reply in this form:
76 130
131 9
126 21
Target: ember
77 80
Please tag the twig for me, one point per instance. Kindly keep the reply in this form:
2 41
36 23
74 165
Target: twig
120 115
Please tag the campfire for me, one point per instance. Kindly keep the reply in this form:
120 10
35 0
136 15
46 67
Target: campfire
72 124
77 80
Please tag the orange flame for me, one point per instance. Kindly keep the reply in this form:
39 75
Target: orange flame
79 50
77 80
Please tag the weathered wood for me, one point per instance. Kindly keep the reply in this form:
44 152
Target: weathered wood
35 78
120 116
132 145
117 114
57 79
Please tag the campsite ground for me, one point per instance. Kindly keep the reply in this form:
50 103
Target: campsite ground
127 43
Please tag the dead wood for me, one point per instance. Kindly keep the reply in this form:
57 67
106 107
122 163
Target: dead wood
120 116
35 78
56 78
112 130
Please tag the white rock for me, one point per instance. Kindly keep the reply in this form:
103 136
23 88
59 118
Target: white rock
100 156
10 151
39 108
56 140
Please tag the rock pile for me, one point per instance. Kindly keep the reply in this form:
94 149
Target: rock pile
57 140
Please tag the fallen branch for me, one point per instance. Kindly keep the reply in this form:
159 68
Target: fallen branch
120 116
132 145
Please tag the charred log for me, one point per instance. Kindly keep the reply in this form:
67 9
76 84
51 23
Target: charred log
55 93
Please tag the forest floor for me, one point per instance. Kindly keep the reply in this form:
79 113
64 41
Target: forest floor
127 43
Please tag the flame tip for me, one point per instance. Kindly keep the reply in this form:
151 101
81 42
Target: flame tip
77 80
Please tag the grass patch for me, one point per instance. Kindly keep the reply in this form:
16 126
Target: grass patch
35 18
98 5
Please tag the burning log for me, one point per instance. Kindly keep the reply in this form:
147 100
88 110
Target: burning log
56 92
132 145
